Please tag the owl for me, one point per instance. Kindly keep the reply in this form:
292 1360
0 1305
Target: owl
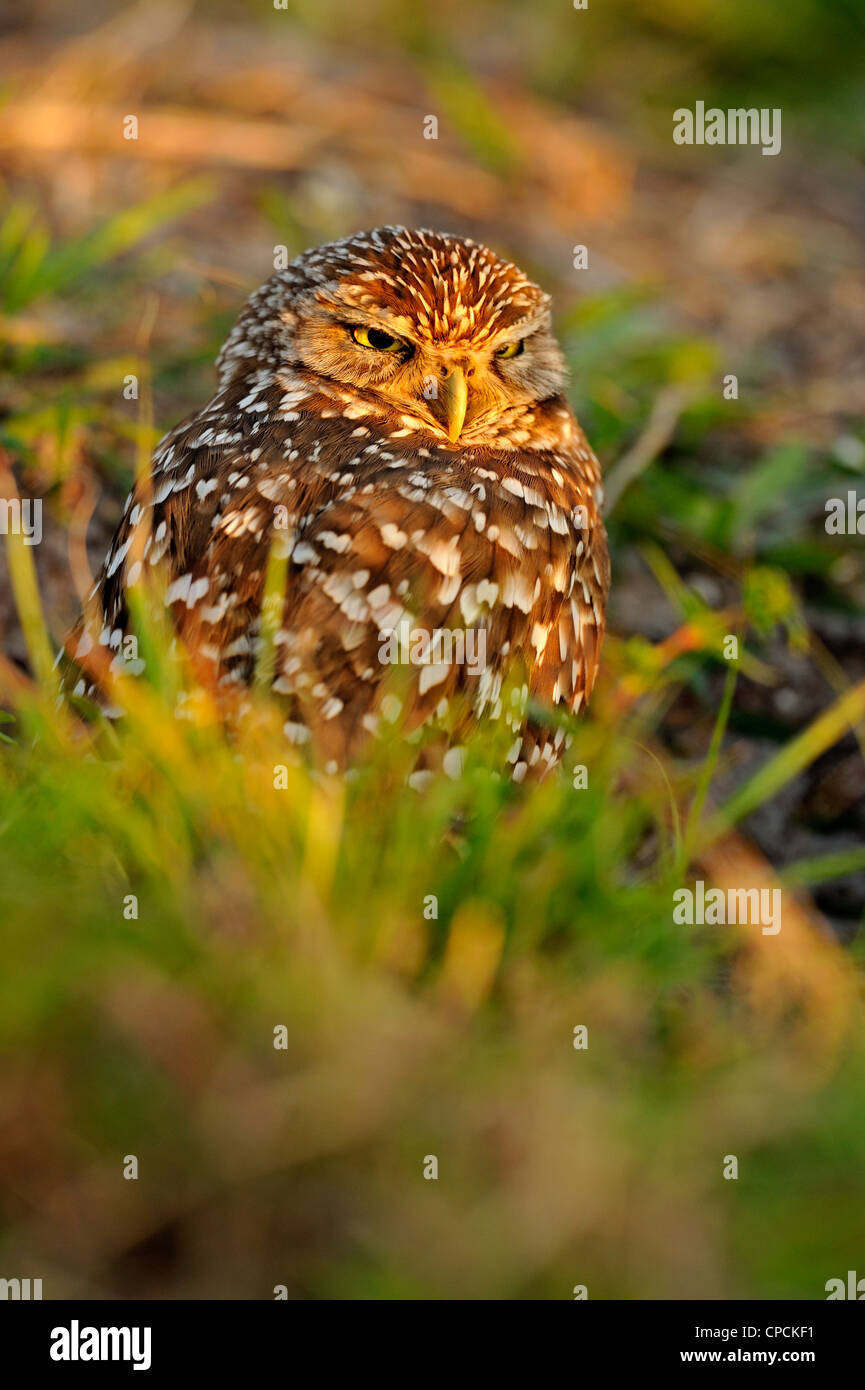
391 424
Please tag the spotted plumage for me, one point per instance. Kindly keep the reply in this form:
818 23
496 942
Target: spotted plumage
390 419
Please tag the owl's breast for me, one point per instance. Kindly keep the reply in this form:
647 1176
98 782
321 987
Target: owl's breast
499 560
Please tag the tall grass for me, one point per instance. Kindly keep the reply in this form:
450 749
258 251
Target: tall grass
175 902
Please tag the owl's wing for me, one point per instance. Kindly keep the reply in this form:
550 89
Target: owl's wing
568 663
167 528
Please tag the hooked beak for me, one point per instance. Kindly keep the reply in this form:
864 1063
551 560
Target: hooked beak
452 402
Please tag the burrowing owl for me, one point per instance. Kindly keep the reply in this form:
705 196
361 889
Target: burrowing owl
391 418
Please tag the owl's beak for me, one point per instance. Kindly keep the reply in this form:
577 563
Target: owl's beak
453 399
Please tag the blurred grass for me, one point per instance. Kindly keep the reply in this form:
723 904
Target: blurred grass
30 268
409 1033
405 1034
625 58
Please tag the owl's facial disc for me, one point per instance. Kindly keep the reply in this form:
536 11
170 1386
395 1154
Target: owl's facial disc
455 385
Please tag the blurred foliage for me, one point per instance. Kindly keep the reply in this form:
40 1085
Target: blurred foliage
409 1034
408 1031
626 57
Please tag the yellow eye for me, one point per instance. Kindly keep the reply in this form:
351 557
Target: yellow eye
511 349
375 338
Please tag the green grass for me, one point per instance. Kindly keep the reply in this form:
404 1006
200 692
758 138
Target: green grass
408 1032
426 957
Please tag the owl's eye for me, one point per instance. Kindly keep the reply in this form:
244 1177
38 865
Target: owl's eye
376 338
511 349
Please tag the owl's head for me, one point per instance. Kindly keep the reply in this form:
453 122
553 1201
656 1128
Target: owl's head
435 328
